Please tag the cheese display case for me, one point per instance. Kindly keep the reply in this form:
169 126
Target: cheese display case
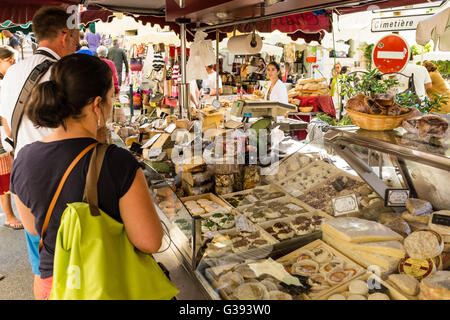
259 243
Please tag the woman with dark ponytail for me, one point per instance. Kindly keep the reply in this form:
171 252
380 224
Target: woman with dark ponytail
277 90
76 102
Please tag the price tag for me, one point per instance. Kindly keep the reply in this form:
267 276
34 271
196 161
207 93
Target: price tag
345 205
242 224
441 219
251 198
210 234
152 153
294 207
396 197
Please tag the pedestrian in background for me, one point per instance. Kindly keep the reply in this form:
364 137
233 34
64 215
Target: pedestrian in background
119 57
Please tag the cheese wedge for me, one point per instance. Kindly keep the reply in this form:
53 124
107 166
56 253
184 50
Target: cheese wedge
357 230
386 263
390 248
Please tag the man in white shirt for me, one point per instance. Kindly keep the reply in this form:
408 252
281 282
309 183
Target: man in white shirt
422 80
56 40
209 84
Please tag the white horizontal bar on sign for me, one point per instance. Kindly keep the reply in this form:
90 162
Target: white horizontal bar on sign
391 55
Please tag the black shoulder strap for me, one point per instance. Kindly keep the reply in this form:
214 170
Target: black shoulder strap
45 53
35 76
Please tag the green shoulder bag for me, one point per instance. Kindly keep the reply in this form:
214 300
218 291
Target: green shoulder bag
94 260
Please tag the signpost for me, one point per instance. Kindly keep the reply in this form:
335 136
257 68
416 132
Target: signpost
391 54
397 23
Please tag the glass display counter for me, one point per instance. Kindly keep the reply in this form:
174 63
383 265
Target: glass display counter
285 214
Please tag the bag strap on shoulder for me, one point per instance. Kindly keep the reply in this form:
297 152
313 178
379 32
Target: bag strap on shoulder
35 76
90 194
59 189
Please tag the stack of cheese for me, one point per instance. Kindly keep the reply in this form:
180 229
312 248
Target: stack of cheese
367 242
309 87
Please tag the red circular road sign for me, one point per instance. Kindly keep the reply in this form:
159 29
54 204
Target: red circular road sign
391 54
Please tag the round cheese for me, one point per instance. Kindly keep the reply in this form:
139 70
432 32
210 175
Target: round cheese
423 244
378 296
358 287
418 268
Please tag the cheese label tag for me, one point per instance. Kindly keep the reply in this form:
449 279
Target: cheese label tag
293 207
242 224
210 234
396 197
345 204
441 219
251 198
154 152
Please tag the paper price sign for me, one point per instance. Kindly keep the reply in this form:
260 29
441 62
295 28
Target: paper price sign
242 224
396 197
345 205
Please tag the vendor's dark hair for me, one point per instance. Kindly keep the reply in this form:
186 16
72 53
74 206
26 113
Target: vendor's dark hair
75 81
261 58
277 66
5 52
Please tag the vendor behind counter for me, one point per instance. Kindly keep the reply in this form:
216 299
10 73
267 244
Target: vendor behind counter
277 90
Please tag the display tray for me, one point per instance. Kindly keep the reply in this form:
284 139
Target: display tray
227 290
207 196
216 222
306 178
291 225
345 270
250 196
274 209
232 242
319 197
287 167
373 283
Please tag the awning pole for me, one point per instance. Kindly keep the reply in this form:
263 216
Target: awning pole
337 76
184 90
217 64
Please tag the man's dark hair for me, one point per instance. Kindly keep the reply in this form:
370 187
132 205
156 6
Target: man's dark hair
210 66
48 22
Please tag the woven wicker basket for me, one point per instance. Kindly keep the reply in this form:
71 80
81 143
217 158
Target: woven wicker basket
376 122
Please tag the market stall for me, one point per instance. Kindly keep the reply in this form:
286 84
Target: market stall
253 214
320 223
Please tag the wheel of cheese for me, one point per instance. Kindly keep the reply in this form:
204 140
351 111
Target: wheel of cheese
436 287
406 283
378 296
251 291
358 287
336 296
423 244
356 297
336 276
305 268
197 211
418 268
305 255
191 203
